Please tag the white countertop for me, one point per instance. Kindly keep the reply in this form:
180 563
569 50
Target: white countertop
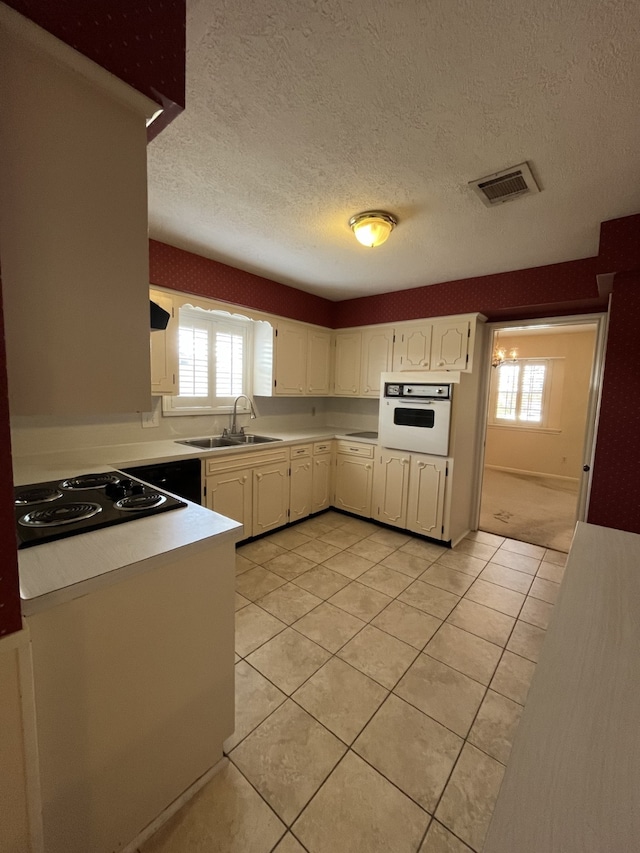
67 568
573 777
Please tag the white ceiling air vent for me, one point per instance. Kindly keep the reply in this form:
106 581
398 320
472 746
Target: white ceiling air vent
506 185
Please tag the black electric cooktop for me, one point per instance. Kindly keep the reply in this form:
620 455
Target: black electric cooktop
60 508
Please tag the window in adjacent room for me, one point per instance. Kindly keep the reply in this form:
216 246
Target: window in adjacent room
527 393
214 355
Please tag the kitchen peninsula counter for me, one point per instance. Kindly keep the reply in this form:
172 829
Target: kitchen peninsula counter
572 780
67 568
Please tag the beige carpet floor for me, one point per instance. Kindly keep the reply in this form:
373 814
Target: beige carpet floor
540 510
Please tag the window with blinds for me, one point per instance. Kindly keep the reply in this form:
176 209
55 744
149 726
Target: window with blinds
213 351
520 393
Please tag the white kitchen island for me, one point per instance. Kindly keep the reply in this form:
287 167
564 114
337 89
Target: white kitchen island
131 631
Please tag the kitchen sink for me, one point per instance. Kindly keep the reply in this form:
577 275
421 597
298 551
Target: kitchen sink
362 434
214 441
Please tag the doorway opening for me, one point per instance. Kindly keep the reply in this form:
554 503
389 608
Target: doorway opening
542 402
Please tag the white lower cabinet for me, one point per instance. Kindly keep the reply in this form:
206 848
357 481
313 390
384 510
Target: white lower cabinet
229 493
270 497
354 477
322 481
426 500
301 485
409 492
391 487
252 488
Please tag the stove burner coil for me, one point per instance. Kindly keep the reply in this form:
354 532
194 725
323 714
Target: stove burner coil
37 496
89 481
135 503
58 515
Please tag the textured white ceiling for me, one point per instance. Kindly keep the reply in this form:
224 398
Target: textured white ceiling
300 114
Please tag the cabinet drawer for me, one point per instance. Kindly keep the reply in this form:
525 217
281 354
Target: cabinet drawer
355 449
233 462
300 450
322 447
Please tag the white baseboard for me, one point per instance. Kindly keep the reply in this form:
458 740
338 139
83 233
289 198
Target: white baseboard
175 806
522 473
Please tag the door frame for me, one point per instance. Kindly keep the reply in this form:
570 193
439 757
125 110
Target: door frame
601 321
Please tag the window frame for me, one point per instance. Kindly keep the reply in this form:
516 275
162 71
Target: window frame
550 420
214 321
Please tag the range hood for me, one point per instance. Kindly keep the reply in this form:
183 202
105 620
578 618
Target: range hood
158 317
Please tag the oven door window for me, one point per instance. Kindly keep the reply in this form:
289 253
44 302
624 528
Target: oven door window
422 418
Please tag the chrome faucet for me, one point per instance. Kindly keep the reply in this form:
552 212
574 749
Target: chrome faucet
234 427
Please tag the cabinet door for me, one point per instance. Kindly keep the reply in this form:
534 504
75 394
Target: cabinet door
229 493
347 365
300 482
354 479
291 359
164 349
270 497
425 509
391 487
412 347
321 483
319 363
449 345
377 352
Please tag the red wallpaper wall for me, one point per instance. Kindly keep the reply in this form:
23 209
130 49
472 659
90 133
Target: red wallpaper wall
619 249
10 619
180 270
615 491
143 44
568 288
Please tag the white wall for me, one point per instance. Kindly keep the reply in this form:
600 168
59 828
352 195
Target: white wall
552 453
20 831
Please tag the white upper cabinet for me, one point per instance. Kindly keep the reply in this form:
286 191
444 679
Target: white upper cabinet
73 230
412 347
319 363
377 354
290 359
450 345
347 364
164 348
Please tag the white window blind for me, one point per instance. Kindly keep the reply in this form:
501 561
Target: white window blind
532 391
214 356
193 373
506 405
229 364
521 393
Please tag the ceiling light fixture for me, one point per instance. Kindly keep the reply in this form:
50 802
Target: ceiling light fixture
372 227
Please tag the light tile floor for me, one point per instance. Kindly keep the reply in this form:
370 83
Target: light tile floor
380 679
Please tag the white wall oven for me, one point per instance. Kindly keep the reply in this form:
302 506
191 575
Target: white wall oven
415 414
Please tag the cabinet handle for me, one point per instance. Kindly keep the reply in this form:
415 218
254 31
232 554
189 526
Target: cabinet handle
422 464
405 461
366 388
440 363
244 479
258 476
424 363
368 467
354 389
299 387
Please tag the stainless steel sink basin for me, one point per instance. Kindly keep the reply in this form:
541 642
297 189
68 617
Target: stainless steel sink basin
251 439
214 441
208 443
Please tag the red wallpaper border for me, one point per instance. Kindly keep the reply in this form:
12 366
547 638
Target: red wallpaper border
178 269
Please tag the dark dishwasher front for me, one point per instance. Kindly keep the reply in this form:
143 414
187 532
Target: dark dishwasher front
182 478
